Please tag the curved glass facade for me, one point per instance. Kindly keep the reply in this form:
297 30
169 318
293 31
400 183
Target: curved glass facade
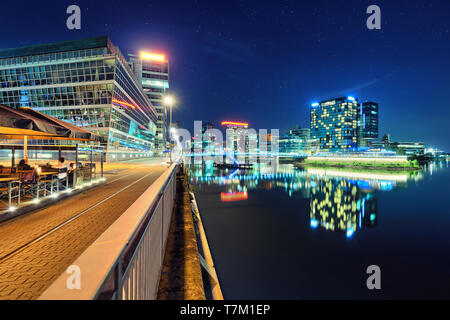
86 82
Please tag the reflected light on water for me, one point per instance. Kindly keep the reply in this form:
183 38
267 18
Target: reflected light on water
359 175
233 196
339 200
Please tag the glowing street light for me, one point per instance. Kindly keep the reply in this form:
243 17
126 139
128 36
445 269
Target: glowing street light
168 100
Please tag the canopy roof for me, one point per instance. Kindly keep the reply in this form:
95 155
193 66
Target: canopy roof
13 132
16 123
76 133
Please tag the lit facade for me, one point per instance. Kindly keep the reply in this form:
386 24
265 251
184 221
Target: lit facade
408 148
203 143
334 124
265 142
85 82
295 141
341 206
235 132
207 142
152 70
367 123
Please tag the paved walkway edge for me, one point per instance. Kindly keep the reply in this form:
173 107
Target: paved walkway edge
101 261
30 206
181 276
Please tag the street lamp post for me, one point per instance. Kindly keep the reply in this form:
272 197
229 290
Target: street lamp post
169 101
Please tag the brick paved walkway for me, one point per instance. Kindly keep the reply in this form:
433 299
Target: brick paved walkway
32 267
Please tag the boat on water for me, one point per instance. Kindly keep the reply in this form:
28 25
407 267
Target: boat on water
233 165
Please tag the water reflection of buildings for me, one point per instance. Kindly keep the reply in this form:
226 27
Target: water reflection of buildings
436 166
340 205
233 196
242 181
340 200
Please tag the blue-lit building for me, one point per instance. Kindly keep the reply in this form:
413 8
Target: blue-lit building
295 142
86 82
367 123
334 124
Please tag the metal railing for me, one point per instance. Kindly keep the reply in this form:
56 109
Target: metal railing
143 262
125 262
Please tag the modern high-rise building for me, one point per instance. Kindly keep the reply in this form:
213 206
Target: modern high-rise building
367 123
295 142
334 124
152 70
85 82
265 141
240 139
204 142
207 142
237 138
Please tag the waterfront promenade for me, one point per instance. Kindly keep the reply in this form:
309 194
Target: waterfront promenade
38 247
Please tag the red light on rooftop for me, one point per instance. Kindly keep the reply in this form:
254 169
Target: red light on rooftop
232 123
153 56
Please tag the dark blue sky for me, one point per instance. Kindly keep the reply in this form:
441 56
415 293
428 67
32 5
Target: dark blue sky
264 62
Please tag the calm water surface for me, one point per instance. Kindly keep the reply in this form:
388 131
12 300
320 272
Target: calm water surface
291 233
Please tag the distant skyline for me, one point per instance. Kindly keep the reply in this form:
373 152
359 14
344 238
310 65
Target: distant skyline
265 62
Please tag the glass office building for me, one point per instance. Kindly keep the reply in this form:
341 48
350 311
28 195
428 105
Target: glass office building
295 142
367 123
238 138
85 82
152 70
334 124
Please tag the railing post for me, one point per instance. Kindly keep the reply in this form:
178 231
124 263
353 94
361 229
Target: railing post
162 225
9 192
119 280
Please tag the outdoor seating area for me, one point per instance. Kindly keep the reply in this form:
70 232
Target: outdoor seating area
42 179
55 157
19 185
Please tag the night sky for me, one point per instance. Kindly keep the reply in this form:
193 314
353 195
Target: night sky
265 62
